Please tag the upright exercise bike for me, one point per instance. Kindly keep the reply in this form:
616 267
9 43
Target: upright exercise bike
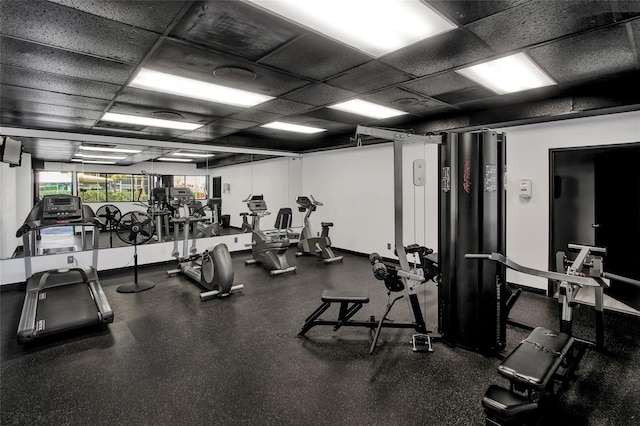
213 268
310 244
268 249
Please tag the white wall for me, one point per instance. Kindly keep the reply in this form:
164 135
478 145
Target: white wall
528 158
356 187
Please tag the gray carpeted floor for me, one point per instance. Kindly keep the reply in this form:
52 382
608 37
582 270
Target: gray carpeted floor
170 359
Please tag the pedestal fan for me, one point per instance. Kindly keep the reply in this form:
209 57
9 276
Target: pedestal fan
110 214
135 228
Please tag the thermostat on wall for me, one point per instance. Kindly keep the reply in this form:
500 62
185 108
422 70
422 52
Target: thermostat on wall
525 188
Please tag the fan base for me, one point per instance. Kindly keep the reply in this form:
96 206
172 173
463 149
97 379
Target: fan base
136 287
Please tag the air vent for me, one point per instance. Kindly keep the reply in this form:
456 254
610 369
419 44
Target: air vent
405 101
237 75
167 115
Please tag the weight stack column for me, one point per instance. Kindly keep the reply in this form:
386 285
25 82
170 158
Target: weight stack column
472 219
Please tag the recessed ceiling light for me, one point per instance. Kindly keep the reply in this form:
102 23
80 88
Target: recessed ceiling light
106 157
510 74
181 86
181 160
106 149
289 127
80 160
368 109
374 27
151 122
192 154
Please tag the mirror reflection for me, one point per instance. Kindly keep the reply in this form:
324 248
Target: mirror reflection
214 208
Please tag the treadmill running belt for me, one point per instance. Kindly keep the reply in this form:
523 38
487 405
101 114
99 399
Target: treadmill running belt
65 307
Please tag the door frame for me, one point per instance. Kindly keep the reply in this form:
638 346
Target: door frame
551 287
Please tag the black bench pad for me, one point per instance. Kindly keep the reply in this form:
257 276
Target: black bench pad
535 360
351 296
506 404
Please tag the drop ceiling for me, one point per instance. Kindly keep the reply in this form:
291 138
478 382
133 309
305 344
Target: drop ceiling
64 63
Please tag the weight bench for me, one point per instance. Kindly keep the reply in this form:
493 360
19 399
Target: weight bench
351 302
537 368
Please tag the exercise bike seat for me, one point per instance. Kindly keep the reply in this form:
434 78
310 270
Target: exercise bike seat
326 224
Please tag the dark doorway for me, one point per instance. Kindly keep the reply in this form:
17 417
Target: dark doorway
595 200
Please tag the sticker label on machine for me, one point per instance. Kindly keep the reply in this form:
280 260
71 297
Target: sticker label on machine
490 178
446 179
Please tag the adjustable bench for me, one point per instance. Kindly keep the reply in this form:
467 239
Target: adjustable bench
537 368
351 301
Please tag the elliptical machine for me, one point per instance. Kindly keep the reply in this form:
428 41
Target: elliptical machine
269 249
309 244
212 269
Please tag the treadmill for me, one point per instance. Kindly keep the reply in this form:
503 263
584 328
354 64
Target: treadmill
63 299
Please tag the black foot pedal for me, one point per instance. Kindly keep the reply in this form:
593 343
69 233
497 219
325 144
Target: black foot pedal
421 343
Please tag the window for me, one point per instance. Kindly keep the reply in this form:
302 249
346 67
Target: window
48 183
119 188
197 184
92 187
140 188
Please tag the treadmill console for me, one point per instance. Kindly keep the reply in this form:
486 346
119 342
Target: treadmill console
61 208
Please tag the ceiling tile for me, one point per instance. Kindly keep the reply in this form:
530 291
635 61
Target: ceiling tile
209 132
442 83
235 27
320 94
359 79
39 21
52 98
283 106
38 120
586 56
174 57
541 20
402 100
465 95
57 83
256 116
165 114
162 101
37 57
443 52
233 123
150 15
315 56
47 109
465 11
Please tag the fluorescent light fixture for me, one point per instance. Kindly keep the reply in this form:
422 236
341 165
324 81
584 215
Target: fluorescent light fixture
106 157
376 27
106 149
181 160
80 160
368 109
181 86
192 154
510 74
151 122
289 127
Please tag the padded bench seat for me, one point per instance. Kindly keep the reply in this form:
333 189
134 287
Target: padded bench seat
535 360
530 368
350 301
351 296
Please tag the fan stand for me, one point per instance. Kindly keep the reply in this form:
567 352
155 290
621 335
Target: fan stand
136 286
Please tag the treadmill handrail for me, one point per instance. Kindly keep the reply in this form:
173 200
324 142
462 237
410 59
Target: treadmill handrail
36 225
43 279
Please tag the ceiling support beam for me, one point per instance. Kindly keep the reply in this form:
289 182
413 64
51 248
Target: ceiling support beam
81 137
